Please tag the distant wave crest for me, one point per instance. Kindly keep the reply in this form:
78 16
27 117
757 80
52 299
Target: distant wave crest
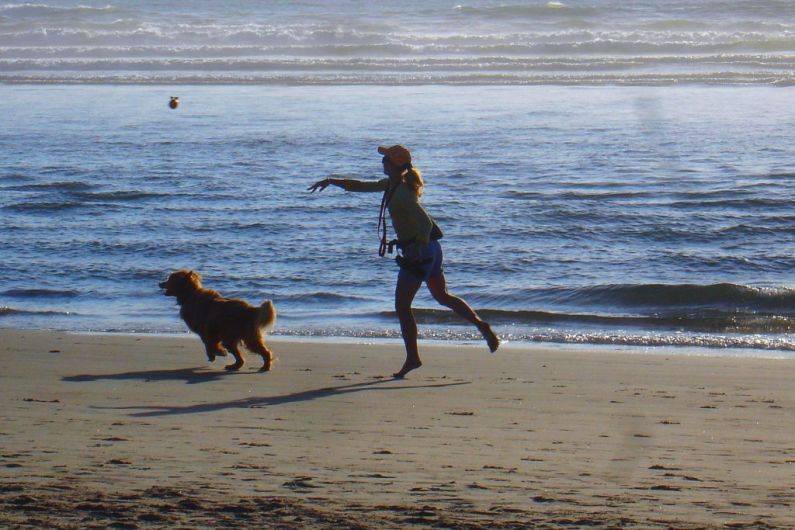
511 11
43 10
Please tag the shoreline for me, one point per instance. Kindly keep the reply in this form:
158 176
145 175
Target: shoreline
519 345
140 431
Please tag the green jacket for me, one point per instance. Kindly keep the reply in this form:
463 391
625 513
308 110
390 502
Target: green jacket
409 219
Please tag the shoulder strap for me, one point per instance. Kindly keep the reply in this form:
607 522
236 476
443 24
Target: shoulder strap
388 192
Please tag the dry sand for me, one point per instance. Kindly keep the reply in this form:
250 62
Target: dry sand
139 432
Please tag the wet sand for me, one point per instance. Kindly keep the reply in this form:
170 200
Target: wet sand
134 432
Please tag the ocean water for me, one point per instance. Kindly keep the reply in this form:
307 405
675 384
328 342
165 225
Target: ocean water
580 204
660 42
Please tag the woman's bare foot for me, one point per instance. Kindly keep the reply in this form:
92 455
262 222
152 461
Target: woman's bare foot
491 338
407 367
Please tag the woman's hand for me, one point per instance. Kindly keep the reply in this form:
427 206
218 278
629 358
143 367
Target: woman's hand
320 185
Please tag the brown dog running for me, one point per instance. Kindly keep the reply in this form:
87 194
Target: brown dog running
218 320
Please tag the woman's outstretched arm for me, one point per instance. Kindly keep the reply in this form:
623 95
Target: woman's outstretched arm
350 184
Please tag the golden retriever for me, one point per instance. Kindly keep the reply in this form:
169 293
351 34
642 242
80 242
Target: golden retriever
221 321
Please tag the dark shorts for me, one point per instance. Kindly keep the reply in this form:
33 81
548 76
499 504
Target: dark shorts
422 262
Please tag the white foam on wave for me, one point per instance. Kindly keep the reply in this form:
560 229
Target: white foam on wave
317 40
32 9
749 345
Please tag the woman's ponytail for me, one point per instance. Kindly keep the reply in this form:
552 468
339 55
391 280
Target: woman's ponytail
414 179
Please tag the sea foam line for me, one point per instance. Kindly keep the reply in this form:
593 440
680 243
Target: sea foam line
710 342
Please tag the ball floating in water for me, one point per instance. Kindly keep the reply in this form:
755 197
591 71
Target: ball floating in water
174 103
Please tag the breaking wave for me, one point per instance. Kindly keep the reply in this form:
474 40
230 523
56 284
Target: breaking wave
684 297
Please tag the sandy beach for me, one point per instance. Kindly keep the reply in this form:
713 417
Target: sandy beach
130 432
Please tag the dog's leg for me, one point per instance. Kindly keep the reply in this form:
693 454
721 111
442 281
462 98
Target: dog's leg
213 349
234 350
257 345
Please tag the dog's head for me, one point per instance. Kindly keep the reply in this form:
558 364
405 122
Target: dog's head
181 283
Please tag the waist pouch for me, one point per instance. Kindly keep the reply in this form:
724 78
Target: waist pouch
412 259
436 231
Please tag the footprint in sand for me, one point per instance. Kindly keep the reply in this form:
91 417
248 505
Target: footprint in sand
300 483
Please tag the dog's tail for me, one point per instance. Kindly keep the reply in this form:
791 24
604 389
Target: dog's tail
267 315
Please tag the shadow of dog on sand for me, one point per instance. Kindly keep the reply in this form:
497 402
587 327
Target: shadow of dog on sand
190 376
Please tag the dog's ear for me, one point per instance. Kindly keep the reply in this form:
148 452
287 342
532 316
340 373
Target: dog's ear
195 278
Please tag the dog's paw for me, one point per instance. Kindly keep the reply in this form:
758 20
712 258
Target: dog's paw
212 355
233 367
265 367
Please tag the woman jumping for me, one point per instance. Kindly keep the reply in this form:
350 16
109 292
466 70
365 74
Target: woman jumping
418 239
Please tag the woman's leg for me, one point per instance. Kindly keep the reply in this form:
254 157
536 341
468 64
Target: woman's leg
405 290
437 285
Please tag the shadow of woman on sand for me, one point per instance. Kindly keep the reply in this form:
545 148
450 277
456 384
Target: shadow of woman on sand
258 402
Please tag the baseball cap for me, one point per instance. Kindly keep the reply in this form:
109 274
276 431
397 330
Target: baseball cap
398 154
